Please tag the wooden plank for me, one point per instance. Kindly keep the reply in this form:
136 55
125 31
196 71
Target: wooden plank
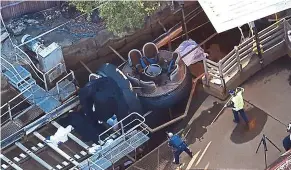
168 38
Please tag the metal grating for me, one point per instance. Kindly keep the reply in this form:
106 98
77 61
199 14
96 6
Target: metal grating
8 129
31 114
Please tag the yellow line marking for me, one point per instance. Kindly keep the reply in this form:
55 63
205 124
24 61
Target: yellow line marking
206 167
192 160
203 153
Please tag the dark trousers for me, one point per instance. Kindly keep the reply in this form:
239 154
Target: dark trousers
287 143
242 114
180 149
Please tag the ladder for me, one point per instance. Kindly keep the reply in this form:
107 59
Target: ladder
36 153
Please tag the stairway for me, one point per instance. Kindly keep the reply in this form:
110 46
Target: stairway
22 80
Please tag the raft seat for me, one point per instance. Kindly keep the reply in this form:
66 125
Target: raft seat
150 52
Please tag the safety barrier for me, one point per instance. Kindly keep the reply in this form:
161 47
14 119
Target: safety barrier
131 134
12 106
219 73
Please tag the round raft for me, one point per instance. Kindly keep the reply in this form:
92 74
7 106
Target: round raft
159 77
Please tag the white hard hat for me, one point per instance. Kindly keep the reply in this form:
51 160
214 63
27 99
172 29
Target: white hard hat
170 134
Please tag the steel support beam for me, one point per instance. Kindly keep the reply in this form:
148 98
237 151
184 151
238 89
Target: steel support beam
73 137
55 148
34 156
12 164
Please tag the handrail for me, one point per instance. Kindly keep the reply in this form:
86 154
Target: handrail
57 84
233 59
16 72
29 63
119 122
11 100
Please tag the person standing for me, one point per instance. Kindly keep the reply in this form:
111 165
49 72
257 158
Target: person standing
237 105
287 139
178 146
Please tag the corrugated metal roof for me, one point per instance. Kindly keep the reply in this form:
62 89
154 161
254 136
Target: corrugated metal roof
228 14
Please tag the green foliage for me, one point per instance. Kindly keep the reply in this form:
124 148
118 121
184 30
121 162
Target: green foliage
120 16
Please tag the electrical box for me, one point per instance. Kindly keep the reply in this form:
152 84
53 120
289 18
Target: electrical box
50 57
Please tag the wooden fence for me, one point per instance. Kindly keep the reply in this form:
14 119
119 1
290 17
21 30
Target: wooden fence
11 9
237 59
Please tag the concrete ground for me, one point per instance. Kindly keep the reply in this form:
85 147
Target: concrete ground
226 145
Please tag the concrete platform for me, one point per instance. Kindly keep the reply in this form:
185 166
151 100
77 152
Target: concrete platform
226 145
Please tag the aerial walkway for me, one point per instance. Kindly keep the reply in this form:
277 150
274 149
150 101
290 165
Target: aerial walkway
39 93
124 142
243 61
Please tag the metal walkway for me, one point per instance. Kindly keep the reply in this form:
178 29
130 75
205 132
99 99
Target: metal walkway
36 153
32 100
243 61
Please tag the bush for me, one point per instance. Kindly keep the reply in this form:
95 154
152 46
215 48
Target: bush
120 16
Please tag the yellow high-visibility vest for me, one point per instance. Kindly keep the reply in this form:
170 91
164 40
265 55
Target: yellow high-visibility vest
238 101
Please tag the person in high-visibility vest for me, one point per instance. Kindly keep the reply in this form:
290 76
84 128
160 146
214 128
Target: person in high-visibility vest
237 105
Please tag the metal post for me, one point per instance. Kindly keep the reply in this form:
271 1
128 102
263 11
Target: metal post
9 111
206 71
221 74
45 83
255 30
122 130
183 19
238 58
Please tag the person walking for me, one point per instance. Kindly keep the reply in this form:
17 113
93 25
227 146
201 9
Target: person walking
178 146
237 105
287 139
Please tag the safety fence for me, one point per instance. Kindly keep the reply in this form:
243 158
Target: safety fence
219 73
10 9
159 158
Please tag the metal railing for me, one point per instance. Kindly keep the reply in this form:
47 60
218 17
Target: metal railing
65 78
22 56
11 69
238 58
129 130
10 107
19 57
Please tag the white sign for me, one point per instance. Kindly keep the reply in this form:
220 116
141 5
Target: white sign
228 14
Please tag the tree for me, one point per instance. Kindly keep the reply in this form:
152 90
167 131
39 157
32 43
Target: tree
120 16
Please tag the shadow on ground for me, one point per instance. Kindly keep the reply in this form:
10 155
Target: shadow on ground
240 134
198 127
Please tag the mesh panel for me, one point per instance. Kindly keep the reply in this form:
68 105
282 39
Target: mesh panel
159 159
